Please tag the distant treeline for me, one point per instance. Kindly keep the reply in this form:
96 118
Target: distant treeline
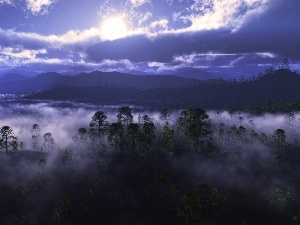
277 90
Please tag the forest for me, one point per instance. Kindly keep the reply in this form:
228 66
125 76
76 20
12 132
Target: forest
129 165
149 112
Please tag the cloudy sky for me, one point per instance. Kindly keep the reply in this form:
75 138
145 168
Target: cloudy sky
227 37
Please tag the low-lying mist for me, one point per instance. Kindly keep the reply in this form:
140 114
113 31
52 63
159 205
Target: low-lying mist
266 123
242 161
63 119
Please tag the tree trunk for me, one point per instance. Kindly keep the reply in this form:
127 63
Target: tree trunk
6 144
99 131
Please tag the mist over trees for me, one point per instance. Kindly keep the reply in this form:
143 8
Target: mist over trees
209 152
131 166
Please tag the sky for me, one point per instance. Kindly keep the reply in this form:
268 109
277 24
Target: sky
229 38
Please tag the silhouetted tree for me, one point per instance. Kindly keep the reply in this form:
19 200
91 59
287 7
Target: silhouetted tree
270 71
132 134
116 135
165 115
221 130
195 124
82 134
167 138
263 137
125 115
147 133
48 141
233 129
35 128
290 116
241 131
232 111
7 137
241 119
81 137
98 124
285 64
279 137
35 138
254 134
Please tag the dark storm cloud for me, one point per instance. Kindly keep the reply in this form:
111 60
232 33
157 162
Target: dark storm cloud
139 48
163 49
283 14
12 39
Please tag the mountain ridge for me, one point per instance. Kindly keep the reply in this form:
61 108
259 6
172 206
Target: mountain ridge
12 77
46 81
281 84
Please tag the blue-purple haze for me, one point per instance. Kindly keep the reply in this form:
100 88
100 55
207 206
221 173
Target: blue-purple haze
229 38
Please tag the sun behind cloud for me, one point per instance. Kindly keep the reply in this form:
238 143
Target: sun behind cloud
113 28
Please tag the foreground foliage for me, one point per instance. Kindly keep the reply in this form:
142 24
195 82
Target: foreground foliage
189 171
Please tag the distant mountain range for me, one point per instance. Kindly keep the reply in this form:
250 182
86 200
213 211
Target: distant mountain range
187 72
280 84
13 83
117 88
19 72
12 78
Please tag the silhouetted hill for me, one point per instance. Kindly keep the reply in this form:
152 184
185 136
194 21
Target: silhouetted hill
279 84
41 82
49 80
20 72
135 81
112 94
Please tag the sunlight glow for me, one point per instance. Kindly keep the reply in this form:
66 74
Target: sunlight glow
113 28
